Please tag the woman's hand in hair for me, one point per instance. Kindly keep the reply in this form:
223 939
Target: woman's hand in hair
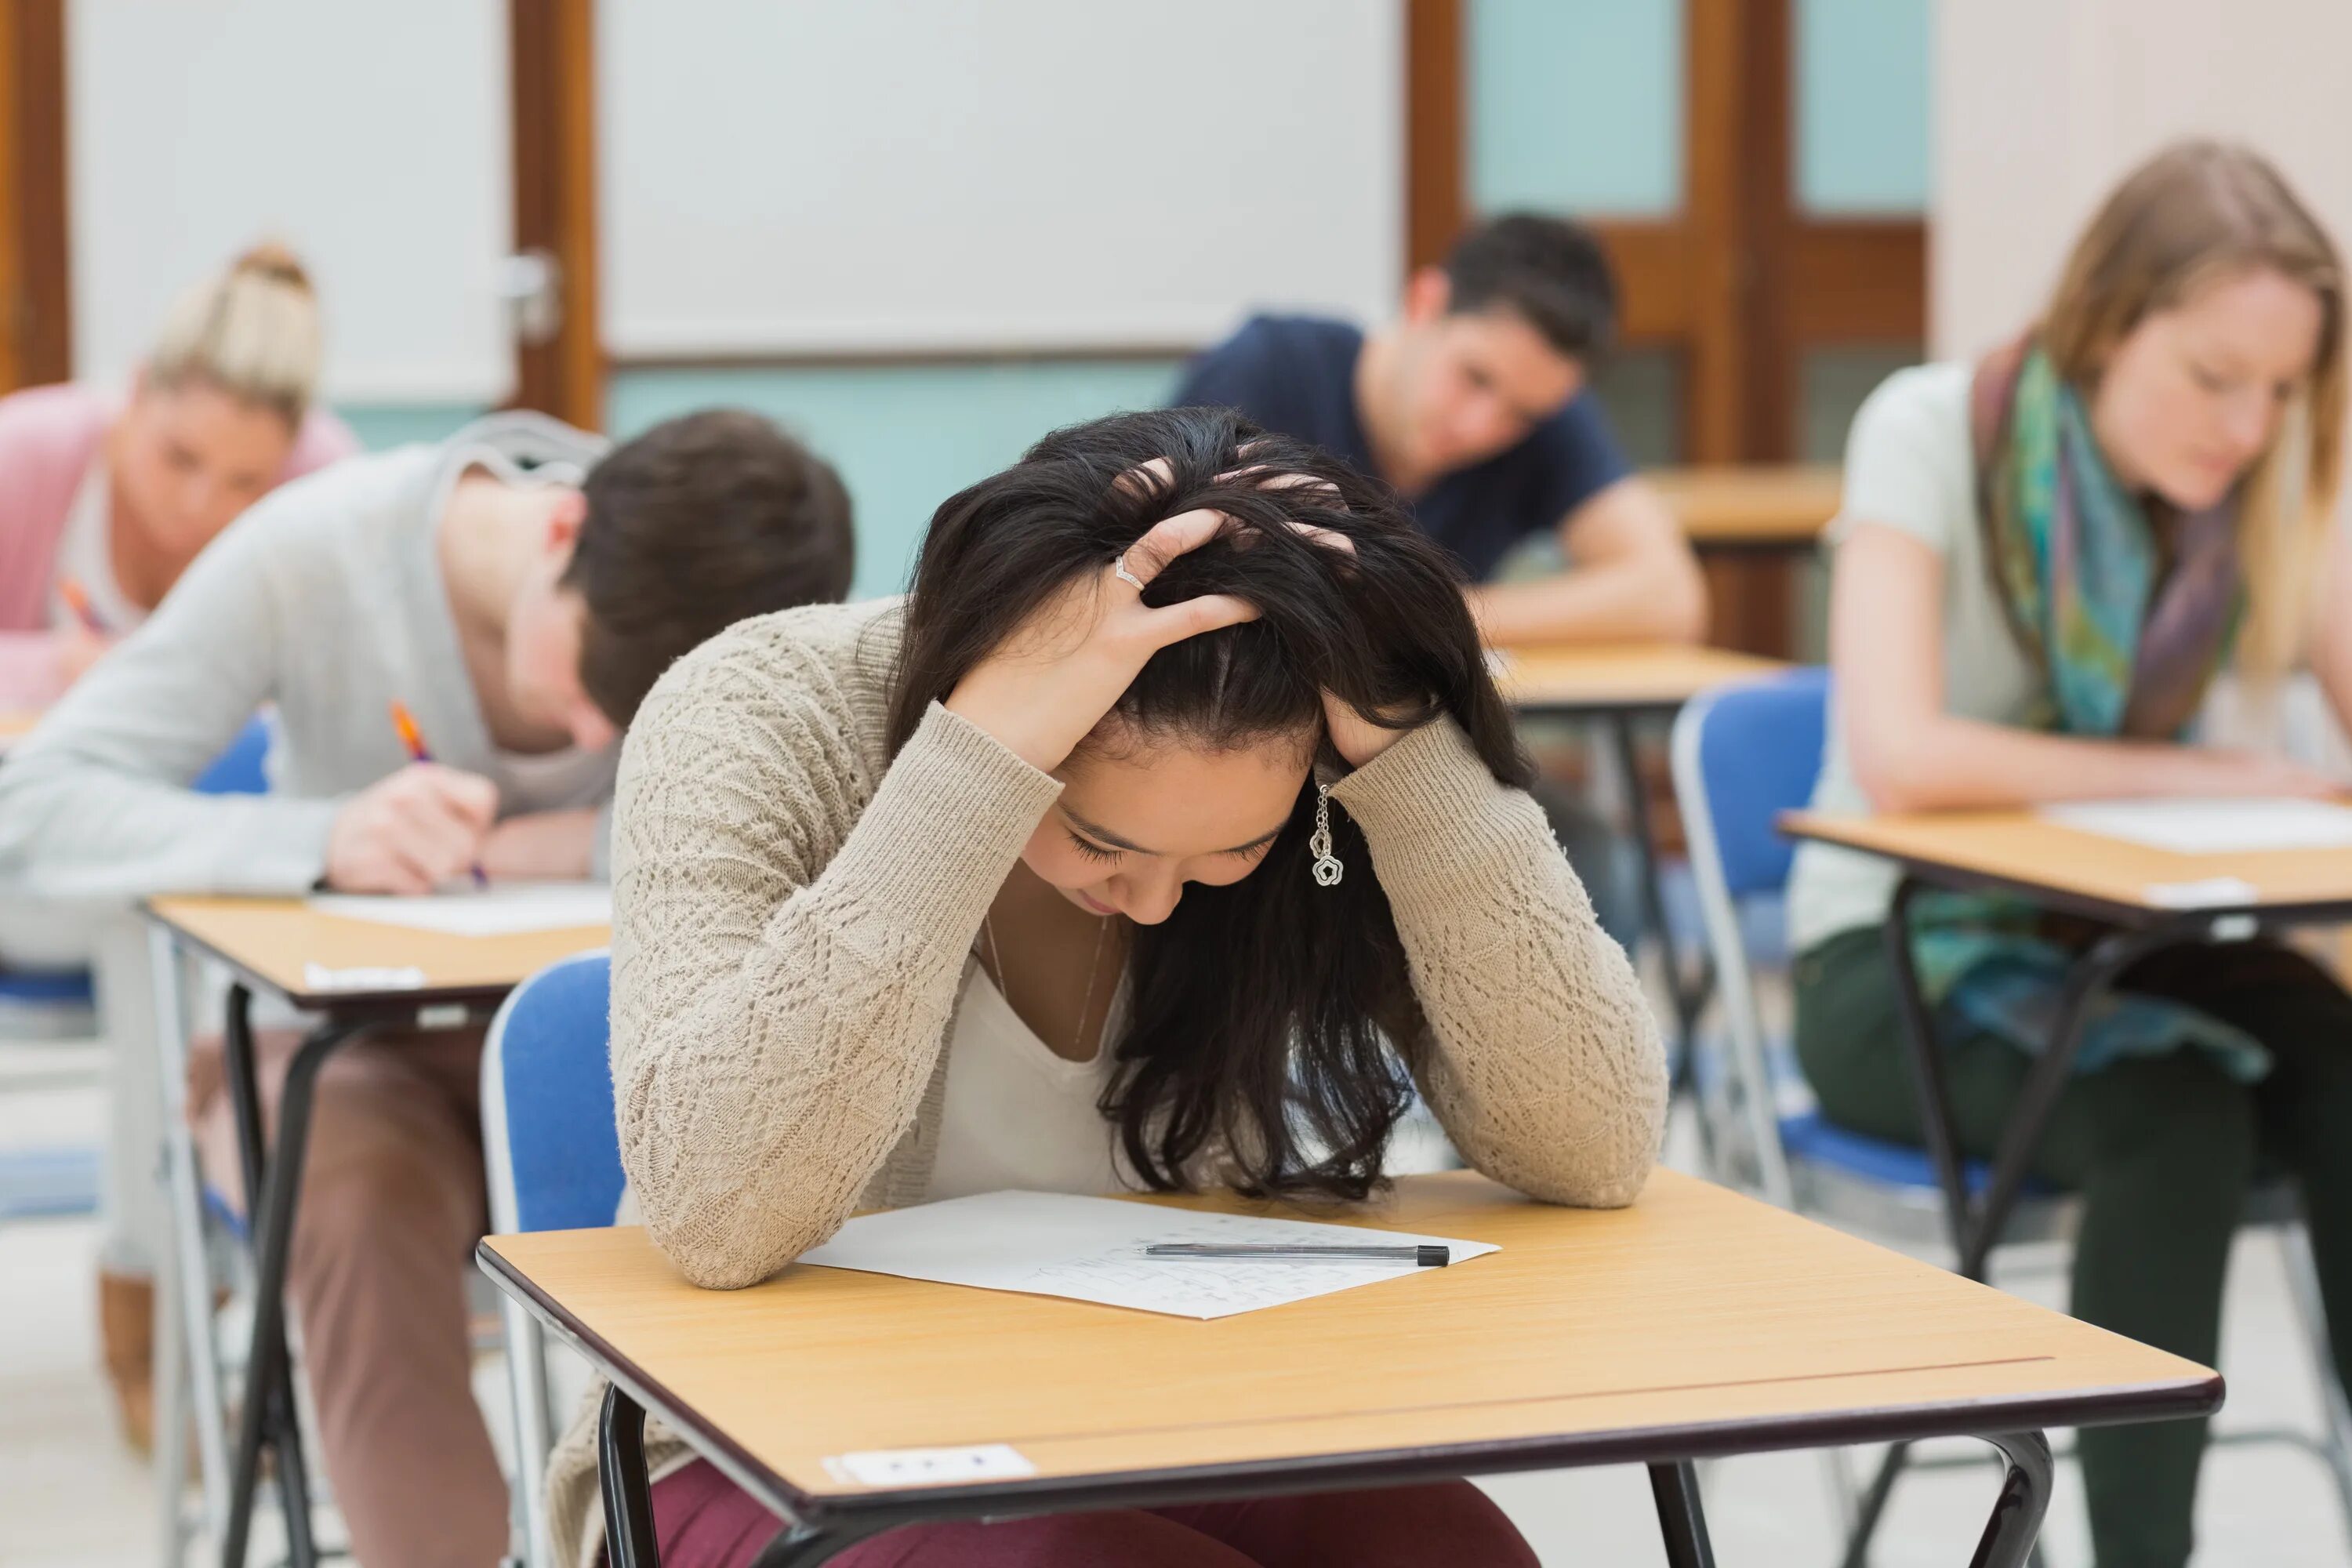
1356 738
1051 681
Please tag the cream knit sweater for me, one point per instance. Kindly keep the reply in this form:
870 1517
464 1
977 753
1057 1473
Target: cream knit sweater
791 915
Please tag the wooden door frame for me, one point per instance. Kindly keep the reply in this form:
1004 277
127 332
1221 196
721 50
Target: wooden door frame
1739 282
551 48
36 277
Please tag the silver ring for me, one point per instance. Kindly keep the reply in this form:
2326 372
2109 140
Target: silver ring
1119 569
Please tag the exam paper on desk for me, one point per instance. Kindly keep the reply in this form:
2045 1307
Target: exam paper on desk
506 908
1091 1249
2197 826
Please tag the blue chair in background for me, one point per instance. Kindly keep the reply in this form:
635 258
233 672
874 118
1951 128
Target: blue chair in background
1742 755
63 1005
554 1159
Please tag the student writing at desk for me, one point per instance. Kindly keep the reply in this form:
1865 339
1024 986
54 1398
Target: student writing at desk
107 497
2043 559
520 590
1473 404
1021 883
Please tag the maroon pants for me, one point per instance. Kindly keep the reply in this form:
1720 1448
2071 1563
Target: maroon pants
702 1519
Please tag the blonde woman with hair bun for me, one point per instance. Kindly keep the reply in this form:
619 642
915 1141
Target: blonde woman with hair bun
105 498
2045 559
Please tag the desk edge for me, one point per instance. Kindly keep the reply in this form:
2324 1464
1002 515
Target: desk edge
484 997
2186 1397
1809 829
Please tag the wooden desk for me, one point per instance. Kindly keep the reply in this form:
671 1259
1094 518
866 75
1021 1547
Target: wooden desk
2121 884
1619 683
1698 1323
2136 891
1778 509
1610 679
2083 873
271 944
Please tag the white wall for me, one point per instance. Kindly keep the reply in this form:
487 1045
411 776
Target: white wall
2041 105
370 135
792 175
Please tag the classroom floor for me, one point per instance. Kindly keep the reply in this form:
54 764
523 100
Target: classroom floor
71 1495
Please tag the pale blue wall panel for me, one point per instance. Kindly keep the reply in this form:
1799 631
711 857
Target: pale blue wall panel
904 437
1576 105
1861 111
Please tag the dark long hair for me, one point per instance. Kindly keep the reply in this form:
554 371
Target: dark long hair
1264 1012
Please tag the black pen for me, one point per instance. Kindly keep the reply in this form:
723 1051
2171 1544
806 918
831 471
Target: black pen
1420 1256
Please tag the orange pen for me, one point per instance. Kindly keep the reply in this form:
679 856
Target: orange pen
77 598
405 723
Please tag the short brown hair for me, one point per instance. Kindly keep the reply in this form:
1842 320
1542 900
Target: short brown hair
1551 270
703 520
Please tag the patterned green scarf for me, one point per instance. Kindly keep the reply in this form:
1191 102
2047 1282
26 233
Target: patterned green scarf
2127 616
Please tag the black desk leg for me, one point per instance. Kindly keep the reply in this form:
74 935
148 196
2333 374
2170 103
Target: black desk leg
268 1412
1976 1224
1690 996
2024 1497
270 1385
621 1472
1681 1521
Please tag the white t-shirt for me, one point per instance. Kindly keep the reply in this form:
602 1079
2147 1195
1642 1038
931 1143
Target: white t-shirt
1016 1115
1910 464
85 554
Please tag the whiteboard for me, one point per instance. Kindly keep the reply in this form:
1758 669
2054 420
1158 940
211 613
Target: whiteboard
371 135
784 176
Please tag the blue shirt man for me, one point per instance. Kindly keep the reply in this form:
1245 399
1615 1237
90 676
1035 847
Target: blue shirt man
1473 404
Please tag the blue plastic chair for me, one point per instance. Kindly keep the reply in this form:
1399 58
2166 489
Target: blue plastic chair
62 1004
554 1159
1742 755
54 1004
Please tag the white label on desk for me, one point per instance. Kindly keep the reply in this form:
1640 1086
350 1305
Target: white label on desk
930 1467
318 977
2210 892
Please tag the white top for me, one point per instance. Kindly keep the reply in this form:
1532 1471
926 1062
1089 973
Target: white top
1016 1115
1909 465
85 553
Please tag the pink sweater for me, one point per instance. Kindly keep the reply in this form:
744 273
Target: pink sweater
47 437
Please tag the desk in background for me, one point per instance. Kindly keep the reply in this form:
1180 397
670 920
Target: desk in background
273 945
2133 888
1732 507
1755 527
1619 684
2149 897
1696 1324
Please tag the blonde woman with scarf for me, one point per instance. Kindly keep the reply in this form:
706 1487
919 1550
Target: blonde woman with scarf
2045 559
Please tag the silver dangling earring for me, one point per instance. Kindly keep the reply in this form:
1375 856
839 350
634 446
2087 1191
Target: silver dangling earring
1328 870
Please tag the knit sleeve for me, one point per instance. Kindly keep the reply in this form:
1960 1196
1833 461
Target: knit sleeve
1547 1071
788 935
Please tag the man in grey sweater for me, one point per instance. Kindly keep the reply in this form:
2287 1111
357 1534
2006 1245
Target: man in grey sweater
518 590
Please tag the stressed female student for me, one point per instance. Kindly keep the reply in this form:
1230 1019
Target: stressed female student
1018 882
105 497
2045 559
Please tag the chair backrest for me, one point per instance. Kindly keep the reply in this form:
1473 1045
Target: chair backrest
548 1134
1756 751
244 768
1743 754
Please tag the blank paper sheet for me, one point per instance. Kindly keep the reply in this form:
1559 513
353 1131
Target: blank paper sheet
1091 1249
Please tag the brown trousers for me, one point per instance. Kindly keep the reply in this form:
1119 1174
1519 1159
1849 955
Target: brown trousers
391 1203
